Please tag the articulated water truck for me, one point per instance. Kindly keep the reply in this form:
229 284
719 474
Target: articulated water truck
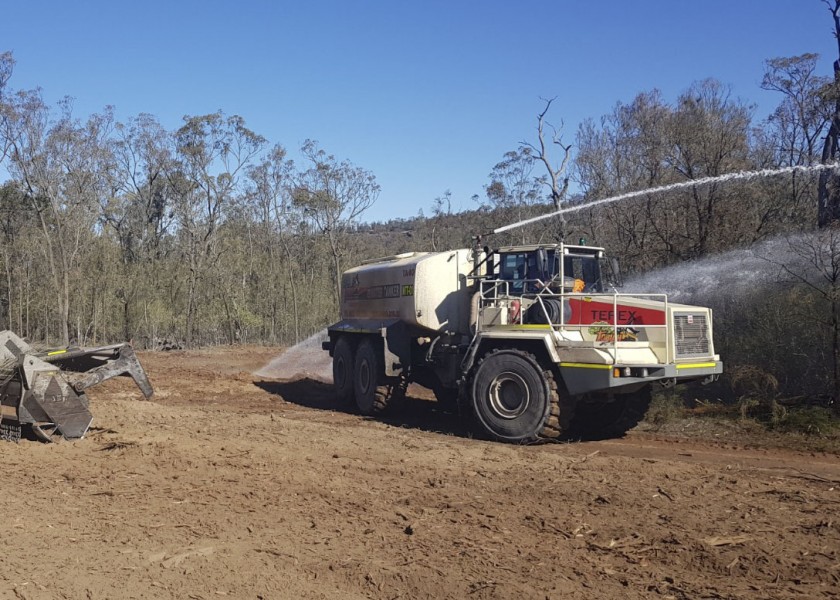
526 341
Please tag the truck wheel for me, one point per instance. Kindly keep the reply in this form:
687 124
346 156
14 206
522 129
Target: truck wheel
374 393
342 368
602 418
514 399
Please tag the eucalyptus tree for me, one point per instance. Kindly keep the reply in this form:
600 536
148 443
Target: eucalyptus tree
794 130
139 211
333 195
62 167
710 137
626 150
514 189
279 220
801 118
7 65
649 143
212 155
15 224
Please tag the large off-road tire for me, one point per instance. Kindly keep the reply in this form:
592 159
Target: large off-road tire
605 417
373 392
513 399
343 368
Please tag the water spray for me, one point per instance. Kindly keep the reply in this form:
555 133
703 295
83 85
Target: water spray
675 186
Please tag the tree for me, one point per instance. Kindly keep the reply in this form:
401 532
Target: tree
334 195
793 130
7 65
557 181
710 137
828 209
15 221
800 119
279 219
627 150
213 152
138 210
513 190
62 168
817 269
649 143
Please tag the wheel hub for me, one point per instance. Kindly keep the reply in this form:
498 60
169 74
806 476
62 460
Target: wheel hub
340 371
364 375
509 395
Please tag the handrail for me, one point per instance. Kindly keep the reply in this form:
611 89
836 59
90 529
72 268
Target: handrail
498 291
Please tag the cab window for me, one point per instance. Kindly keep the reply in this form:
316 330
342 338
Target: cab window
585 268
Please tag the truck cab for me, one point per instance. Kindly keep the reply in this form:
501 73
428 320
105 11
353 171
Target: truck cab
557 267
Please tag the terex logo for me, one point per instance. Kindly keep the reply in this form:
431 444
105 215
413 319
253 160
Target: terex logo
624 316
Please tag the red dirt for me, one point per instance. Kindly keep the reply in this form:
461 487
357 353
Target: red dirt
226 485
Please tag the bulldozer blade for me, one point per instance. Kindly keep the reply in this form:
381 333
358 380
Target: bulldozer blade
100 364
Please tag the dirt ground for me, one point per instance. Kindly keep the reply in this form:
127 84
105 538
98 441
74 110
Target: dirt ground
228 485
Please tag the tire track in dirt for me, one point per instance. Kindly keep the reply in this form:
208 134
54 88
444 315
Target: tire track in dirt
228 486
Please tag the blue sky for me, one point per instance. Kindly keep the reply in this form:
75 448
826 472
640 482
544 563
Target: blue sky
426 95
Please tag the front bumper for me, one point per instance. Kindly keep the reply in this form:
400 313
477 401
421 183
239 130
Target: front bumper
582 378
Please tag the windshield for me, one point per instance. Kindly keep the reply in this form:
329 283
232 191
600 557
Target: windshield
516 267
586 268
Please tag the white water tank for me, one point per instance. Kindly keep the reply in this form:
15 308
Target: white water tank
424 289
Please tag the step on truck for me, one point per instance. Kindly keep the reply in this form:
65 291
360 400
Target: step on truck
528 342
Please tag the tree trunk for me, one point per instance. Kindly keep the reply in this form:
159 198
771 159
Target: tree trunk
64 322
9 284
229 319
294 303
828 207
190 311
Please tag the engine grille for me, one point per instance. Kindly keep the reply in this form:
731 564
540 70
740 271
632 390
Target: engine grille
691 335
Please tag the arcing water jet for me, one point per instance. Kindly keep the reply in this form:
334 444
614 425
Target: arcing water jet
740 175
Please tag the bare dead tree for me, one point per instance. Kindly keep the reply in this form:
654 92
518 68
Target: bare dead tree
557 181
